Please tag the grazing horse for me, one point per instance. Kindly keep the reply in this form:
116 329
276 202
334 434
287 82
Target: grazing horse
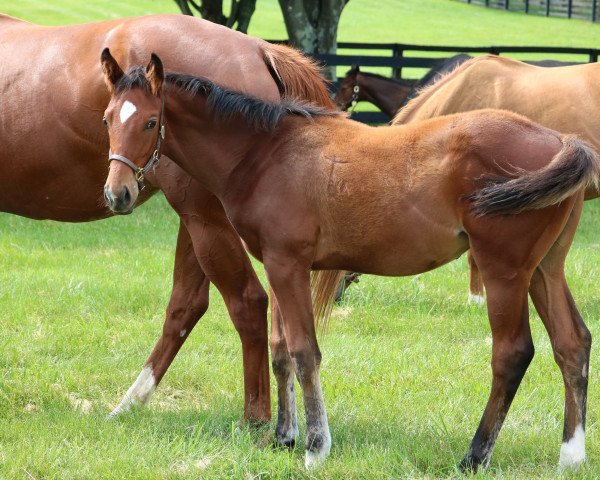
565 98
307 189
53 160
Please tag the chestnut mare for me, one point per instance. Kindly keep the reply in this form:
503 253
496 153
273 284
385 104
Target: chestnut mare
307 188
53 160
565 98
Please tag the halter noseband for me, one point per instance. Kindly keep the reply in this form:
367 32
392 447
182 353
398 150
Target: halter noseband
140 172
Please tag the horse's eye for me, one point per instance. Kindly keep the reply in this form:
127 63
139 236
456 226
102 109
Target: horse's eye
105 121
151 124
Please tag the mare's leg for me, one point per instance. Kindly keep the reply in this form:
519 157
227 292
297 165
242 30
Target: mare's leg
189 301
208 248
286 431
225 262
571 341
476 290
512 351
290 282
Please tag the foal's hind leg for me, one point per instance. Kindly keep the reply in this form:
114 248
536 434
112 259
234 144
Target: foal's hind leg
571 341
286 431
512 351
189 301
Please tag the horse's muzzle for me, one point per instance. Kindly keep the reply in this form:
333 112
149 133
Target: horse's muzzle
120 203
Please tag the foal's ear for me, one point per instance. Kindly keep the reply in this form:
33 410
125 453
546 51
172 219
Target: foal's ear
111 69
354 69
155 74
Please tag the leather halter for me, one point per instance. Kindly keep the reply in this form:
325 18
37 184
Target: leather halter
140 172
354 99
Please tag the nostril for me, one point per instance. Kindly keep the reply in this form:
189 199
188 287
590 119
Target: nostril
126 196
107 197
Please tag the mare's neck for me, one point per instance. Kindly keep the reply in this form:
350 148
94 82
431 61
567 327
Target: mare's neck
386 94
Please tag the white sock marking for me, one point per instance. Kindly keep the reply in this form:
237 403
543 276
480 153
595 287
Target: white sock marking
127 110
476 299
572 453
313 459
139 393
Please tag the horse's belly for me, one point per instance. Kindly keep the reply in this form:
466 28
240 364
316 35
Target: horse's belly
393 248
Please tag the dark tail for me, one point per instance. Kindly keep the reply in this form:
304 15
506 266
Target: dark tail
575 167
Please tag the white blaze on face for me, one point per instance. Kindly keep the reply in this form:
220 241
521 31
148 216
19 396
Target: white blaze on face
572 453
127 110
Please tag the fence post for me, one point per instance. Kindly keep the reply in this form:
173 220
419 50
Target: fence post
547 8
397 52
570 8
506 4
593 56
594 10
526 6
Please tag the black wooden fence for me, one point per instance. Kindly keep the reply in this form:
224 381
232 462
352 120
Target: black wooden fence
583 9
399 57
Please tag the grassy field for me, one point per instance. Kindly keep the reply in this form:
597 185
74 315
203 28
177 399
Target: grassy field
406 363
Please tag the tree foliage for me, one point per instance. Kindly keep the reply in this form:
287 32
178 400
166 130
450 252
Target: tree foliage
240 13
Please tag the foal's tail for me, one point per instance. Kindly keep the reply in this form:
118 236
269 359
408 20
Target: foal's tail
575 167
324 285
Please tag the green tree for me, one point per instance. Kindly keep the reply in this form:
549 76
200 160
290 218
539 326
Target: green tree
311 24
240 14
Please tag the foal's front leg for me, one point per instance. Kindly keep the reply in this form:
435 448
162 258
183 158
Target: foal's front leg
286 431
290 282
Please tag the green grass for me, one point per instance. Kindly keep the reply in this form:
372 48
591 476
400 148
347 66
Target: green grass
406 363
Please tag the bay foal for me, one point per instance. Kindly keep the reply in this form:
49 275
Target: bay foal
307 188
53 161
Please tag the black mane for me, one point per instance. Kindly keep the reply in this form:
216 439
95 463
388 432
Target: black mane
226 104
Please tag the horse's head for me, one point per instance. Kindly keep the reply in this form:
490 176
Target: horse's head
134 119
348 92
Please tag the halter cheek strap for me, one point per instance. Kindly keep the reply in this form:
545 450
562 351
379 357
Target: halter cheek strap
140 172
354 99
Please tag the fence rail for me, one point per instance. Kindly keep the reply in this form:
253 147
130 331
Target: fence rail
582 9
401 56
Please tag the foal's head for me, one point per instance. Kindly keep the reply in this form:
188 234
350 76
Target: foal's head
134 121
349 89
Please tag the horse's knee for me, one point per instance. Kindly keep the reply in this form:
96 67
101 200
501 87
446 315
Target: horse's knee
183 313
306 361
249 312
573 352
512 361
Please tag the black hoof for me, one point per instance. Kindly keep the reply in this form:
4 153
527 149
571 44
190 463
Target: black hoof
469 465
285 445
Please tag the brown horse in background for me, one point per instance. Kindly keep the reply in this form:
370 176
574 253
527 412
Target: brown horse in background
309 189
388 94
53 160
565 98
